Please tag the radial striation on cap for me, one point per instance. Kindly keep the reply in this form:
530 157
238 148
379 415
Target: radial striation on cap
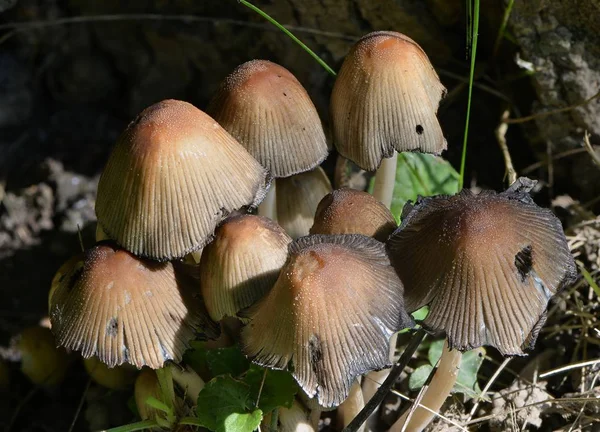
385 99
124 309
486 265
173 175
349 211
298 198
331 314
241 264
266 108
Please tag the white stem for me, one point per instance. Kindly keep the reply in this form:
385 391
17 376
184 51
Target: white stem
385 179
435 395
189 381
268 208
351 406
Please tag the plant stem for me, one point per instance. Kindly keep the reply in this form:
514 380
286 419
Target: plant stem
395 373
287 32
385 179
473 33
268 208
143 425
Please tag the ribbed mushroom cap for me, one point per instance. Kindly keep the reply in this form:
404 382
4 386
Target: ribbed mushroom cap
331 314
173 175
385 98
266 108
124 309
349 211
298 198
241 264
485 264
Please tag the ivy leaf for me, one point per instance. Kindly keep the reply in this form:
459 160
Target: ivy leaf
225 405
421 174
278 389
228 360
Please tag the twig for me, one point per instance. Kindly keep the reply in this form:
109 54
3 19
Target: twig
569 367
487 387
551 112
80 405
557 156
588 147
380 394
90 19
501 138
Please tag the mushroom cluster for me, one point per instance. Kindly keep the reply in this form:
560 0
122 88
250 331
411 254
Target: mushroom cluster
322 293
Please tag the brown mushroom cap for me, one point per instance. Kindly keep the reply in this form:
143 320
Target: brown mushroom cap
173 175
125 309
331 314
349 211
241 264
297 200
385 99
485 264
266 108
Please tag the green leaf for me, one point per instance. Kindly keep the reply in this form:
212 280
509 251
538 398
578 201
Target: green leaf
421 174
229 360
225 405
419 377
278 390
466 382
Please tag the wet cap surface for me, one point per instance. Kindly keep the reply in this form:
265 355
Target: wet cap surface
331 314
385 99
349 211
486 265
241 264
173 175
266 109
123 309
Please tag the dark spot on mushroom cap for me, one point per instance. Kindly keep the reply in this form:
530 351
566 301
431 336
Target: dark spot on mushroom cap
524 262
112 327
284 94
316 352
419 129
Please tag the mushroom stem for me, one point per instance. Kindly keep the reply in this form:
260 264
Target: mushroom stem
351 406
314 417
442 382
268 208
100 234
189 381
385 180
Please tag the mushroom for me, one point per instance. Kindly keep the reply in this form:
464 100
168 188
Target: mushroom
384 100
41 361
125 309
241 264
117 378
486 265
265 108
297 200
349 211
328 343
173 175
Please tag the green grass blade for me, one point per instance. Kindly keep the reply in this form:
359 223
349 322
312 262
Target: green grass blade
590 280
287 32
502 28
132 427
474 35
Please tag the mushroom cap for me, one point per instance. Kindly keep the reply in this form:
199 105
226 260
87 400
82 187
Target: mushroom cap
173 175
486 265
266 109
349 211
385 99
297 200
125 309
241 264
331 314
